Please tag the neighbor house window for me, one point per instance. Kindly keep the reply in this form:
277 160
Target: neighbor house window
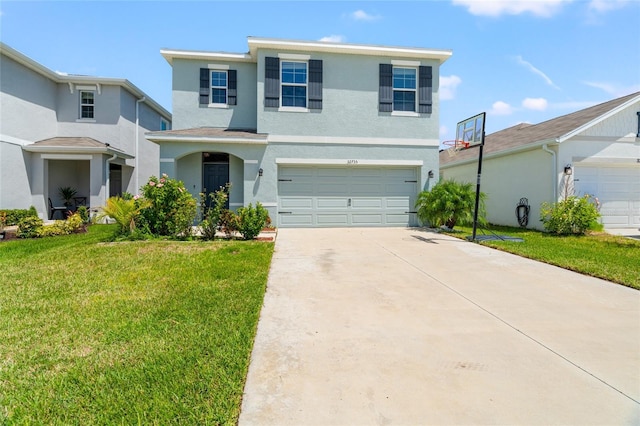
164 125
404 89
87 104
294 84
218 87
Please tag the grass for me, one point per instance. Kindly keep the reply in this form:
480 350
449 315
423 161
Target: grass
131 332
601 255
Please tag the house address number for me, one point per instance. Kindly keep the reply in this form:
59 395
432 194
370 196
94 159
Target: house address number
352 161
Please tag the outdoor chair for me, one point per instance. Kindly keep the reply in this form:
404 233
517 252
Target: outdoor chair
53 210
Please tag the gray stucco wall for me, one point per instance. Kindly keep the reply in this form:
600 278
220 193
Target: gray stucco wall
27 102
187 111
350 103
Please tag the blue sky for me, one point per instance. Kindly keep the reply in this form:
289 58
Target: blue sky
520 61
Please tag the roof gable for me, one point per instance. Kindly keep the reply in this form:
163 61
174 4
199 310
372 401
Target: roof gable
557 129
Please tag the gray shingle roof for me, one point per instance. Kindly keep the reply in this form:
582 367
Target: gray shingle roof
211 132
525 134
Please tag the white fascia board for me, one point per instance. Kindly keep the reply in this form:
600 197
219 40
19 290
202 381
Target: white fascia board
68 150
293 139
204 139
598 119
171 54
347 162
346 48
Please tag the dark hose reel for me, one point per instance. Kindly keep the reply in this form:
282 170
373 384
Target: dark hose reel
522 212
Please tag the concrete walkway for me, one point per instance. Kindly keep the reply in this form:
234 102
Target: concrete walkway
407 327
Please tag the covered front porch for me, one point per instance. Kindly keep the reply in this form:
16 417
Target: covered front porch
69 172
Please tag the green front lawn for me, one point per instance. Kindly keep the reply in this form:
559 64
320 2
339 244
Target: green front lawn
150 332
601 255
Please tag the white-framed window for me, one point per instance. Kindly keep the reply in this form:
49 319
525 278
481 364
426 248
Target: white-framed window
294 81
404 88
219 87
87 104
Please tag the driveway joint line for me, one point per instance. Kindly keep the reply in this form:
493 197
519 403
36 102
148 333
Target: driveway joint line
504 321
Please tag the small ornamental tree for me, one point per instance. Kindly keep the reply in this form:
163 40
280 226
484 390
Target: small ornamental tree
573 215
212 211
171 209
450 203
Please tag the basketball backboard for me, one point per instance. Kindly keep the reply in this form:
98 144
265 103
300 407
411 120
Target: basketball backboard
471 130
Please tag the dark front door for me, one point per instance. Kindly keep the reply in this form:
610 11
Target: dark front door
216 175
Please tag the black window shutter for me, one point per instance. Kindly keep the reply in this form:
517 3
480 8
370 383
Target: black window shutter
425 89
271 82
205 88
232 88
315 84
386 88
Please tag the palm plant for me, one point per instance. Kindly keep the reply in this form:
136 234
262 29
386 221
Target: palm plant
124 212
449 203
67 193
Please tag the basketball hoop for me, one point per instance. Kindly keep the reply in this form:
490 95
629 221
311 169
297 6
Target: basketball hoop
455 145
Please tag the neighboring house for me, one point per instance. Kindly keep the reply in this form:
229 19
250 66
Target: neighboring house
59 130
322 134
594 151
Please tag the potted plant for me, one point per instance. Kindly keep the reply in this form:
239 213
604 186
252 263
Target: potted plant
67 193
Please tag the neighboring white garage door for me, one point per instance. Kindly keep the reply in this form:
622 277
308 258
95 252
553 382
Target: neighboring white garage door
617 189
317 196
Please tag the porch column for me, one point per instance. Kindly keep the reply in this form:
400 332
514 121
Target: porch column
251 181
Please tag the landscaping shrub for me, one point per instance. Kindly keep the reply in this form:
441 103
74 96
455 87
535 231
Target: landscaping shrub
449 203
228 222
211 212
252 220
124 212
171 209
574 215
15 215
83 211
29 227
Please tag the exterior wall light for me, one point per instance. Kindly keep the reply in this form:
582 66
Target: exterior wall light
260 171
430 174
567 170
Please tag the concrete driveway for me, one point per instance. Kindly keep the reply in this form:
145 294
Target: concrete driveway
407 327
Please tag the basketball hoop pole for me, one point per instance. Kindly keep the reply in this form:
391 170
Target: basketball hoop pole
475 211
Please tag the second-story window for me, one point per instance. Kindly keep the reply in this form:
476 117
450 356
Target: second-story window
218 87
404 89
294 84
87 104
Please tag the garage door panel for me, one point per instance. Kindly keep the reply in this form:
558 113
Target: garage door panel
617 190
332 203
346 196
366 219
296 203
296 220
335 219
367 203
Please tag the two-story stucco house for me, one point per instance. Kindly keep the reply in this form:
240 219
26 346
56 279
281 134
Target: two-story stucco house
322 134
59 130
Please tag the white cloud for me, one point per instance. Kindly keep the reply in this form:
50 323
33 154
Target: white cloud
448 86
613 89
536 71
536 104
334 38
602 6
361 15
542 8
501 108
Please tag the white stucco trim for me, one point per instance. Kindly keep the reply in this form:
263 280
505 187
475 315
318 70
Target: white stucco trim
405 114
351 140
250 161
405 63
167 160
294 56
220 67
347 162
269 204
66 157
605 161
13 140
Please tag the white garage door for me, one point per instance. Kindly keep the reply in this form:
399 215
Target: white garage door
317 196
617 189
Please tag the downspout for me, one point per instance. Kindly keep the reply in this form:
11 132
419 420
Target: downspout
136 171
545 148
